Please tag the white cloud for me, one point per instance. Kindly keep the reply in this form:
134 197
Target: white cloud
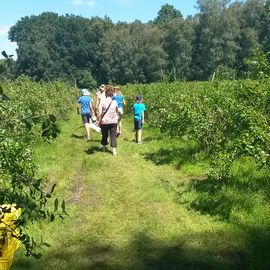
77 2
4 30
123 2
89 3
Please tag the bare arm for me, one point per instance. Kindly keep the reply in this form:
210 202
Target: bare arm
78 108
97 99
92 108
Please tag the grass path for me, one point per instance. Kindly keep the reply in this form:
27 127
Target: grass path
123 212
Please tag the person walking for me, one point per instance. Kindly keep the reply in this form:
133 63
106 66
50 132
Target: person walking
86 109
138 114
100 95
108 120
118 96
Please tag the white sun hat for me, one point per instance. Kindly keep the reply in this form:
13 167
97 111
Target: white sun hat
85 92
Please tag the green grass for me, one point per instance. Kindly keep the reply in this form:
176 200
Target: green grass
125 212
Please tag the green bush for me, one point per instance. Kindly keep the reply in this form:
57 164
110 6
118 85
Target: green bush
28 112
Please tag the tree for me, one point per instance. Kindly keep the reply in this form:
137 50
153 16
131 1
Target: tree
84 79
52 46
166 14
7 67
250 22
132 53
220 37
178 40
265 27
215 38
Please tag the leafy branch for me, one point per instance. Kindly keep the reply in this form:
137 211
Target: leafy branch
18 183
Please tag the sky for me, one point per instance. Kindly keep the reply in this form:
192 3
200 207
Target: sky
116 10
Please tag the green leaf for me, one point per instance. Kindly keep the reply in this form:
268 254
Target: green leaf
27 124
52 217
52 189
4 54
48 195
57 130
63 206
4 97
46 123
37 255
36 119
54 135
46 244
56 205
45 133
52 118
33 242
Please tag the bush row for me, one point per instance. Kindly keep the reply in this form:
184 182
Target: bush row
28 112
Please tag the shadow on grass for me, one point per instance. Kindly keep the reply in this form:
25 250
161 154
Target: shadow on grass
207 197
152 254
127 139
92 150
177 156
222 198
86 257
82 137
201 251
147 139
153 138
77 136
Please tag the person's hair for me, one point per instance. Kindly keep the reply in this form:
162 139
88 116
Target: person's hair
109 91
117 88
102 87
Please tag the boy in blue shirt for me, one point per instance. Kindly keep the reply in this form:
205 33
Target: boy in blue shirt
87 110
118 96
138 113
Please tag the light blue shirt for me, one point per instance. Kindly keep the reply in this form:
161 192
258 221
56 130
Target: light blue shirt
85 102
138 108
119 99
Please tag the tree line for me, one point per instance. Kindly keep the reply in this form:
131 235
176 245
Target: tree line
219 39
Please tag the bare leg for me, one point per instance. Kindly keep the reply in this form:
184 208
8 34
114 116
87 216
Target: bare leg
87 130
139 136
120 127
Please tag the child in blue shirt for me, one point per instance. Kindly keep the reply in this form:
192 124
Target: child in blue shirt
118 96
87 110
138 113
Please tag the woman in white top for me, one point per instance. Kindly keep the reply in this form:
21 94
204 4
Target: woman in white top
108 119
100 95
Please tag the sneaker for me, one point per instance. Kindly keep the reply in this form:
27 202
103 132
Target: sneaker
104 148
114 151
88 139
139 142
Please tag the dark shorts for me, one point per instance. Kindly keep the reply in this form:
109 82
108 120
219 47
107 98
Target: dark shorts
138 124
86 117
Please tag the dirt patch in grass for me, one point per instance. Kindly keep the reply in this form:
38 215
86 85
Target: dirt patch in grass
77 187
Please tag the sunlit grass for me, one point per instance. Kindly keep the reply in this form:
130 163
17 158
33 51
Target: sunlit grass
125 212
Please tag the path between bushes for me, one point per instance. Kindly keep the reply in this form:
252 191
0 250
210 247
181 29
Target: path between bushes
123 212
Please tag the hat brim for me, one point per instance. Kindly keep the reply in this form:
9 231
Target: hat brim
85 92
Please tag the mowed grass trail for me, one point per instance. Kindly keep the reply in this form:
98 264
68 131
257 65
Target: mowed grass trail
123 211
